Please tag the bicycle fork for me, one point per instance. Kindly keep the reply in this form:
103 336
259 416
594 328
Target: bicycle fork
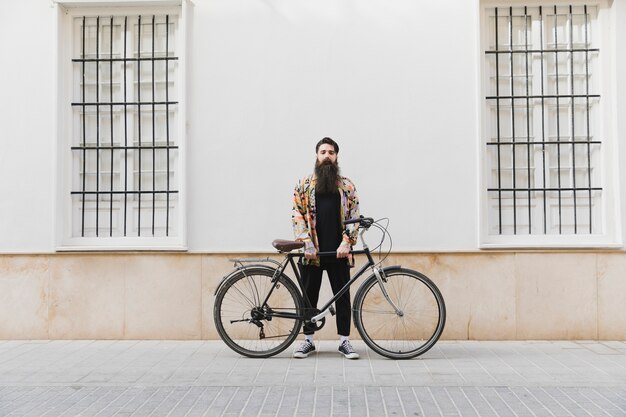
382 278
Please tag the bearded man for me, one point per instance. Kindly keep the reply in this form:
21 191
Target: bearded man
322 203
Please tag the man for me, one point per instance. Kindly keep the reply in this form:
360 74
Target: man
322 203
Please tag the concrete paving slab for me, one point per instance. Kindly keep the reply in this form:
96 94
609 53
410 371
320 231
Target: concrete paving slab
205 378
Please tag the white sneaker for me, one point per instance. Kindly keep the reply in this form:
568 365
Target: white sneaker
305 349
346 350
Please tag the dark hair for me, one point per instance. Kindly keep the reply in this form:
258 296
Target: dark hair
327 141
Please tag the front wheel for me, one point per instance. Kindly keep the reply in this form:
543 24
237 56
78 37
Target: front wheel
407 326
250 326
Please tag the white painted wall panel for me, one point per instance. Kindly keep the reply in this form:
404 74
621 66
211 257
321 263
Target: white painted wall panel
620 102
395 83
392 83
27 126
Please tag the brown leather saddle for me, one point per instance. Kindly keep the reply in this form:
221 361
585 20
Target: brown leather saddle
287 245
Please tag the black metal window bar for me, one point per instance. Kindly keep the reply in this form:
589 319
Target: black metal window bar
124 147
543 157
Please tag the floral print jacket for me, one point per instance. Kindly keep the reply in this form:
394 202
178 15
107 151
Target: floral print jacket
304 213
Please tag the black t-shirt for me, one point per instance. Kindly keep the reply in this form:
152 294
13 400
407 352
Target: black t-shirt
328 222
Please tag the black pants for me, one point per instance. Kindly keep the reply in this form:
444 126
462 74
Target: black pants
339 275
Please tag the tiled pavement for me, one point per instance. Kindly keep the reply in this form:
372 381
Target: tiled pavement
204 378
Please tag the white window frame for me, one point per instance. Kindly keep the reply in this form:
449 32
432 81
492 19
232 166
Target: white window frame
607 128
67 10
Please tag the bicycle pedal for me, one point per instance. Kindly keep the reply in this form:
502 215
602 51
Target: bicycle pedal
332 310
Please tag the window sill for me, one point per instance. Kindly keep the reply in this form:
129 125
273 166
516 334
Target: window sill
124 3
122 244
549 242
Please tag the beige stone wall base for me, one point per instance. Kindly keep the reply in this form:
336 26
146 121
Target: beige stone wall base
489 295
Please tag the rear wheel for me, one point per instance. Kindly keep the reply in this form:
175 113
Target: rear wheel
249 327
410 330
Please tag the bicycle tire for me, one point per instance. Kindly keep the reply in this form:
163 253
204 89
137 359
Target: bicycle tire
236 299
393 335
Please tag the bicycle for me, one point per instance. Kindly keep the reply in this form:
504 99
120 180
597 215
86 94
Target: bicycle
259 311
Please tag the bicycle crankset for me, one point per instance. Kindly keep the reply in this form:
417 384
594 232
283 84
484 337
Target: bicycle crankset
319 323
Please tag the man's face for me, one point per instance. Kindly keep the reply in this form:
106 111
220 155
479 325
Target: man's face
326 152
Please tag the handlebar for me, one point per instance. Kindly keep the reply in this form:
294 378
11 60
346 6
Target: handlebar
365 222
334 253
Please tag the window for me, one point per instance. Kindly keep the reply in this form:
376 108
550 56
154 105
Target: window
124 131
544 145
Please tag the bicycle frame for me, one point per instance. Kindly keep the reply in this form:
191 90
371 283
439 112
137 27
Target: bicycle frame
325 310
256 305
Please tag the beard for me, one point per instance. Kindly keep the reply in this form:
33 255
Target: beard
327 174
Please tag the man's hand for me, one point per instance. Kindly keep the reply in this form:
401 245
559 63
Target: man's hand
310 252
343 251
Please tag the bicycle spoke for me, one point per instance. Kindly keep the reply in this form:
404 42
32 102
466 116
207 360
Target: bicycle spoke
244 297
247 326
367 310
403 335
375 330
397 292
249 282
410 296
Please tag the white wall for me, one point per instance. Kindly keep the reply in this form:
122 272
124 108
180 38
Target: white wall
395 83
388 80
27 126
620 75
